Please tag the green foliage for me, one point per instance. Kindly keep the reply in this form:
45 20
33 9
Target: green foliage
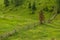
6 2
12 1
34 6
29 5
58 5
45 9
49 9
18 2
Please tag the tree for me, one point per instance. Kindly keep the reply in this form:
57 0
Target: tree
6 2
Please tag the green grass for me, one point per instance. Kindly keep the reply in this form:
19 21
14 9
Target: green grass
22 20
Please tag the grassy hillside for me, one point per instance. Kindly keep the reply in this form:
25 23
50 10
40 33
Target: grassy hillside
17 23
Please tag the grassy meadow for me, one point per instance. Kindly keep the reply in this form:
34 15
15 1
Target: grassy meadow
22 25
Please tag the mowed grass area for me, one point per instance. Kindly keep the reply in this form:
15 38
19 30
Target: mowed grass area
22 20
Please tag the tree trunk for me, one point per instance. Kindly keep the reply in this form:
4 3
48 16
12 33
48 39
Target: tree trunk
41 17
